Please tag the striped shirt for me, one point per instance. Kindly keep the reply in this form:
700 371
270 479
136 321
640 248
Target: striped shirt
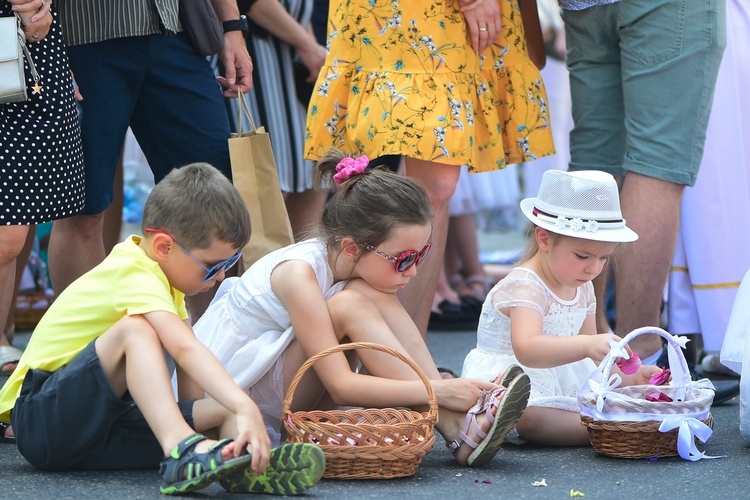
91 21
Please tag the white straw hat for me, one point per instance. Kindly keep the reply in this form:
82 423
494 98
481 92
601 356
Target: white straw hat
583 204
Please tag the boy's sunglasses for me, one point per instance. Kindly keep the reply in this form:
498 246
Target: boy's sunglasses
404 261
211 272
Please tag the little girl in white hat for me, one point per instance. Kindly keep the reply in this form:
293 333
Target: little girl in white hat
541 316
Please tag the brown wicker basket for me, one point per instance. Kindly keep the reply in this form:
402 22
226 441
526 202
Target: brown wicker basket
622 423
633 439
364 443
30 307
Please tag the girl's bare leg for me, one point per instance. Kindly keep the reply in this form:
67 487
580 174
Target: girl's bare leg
362 320
552 427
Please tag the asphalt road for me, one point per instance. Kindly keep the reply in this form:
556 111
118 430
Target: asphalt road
509 475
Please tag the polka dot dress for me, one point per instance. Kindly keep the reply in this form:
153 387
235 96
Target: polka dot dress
41 160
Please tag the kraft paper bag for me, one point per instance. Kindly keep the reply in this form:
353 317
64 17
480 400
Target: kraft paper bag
255 177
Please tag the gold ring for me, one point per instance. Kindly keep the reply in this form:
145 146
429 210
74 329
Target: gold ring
482 29
35 37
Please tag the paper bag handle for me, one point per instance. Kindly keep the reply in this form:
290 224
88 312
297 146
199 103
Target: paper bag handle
243 109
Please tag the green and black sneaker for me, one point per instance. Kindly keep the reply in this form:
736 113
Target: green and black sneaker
293 469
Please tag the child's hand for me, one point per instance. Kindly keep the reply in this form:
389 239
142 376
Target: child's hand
252 435
599 346
460 394
642 376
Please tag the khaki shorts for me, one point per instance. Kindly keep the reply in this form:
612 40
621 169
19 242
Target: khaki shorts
642 77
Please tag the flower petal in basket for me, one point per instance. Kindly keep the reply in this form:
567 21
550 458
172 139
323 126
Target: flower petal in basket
622 423
660 378
364 443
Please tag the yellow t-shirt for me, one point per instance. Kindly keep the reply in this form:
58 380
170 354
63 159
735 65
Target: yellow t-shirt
127 282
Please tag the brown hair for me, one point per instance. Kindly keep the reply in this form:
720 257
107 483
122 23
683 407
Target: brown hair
366 206
198 206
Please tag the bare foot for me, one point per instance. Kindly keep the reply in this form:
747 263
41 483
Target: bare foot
227 452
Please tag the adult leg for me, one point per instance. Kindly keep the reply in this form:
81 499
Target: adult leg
462 232
439 181
601 283
21 261
112 225
666 135
641 268
12 240
304 211
75 247
180 118
76 243
598 139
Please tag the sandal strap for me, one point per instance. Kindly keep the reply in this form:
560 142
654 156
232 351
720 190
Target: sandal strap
485 403
186 445
184 463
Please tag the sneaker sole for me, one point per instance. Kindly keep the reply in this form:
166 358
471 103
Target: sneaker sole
231 467
293 469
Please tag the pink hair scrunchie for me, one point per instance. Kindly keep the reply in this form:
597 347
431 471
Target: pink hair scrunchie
349 167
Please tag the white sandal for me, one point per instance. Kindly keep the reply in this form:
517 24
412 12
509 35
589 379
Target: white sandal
9 354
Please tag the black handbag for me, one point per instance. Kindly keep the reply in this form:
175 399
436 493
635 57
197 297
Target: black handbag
202 25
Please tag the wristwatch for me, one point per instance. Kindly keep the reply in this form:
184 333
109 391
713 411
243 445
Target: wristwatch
236 25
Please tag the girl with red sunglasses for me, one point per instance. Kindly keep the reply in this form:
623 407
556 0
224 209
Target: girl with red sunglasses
340 286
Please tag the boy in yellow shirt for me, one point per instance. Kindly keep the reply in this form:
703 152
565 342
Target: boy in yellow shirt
92 390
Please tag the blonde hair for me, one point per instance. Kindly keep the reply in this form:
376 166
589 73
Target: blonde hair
366 206
532 247
198 206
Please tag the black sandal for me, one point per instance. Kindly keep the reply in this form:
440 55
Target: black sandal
184 470
4 426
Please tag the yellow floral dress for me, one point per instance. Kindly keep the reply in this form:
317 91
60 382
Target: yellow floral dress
402 78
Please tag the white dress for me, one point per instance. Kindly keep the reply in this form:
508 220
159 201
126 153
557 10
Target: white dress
248 328
550 387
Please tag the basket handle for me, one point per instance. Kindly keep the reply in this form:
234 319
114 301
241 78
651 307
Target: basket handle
677 363
286 408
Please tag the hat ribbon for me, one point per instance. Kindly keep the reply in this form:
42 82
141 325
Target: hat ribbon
577 223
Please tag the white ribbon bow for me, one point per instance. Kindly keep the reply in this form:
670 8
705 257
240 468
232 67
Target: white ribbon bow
617 350
681 340
690 428
601 390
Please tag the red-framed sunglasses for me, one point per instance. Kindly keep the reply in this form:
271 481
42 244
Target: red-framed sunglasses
404 261
213 271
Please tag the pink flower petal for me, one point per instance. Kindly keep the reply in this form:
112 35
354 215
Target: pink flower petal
660 378
658 397
629 366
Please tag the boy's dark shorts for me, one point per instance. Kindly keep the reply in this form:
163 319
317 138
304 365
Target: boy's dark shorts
71 419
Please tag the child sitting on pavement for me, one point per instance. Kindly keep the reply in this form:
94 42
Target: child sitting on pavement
92 389
341 287
542 315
